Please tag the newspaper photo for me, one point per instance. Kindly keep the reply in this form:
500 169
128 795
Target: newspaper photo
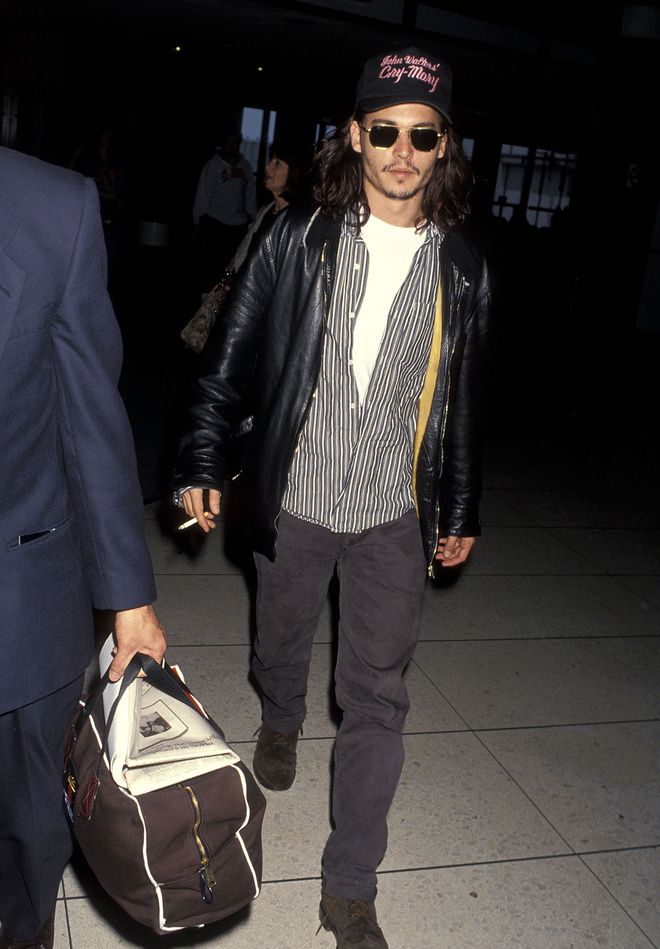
156 740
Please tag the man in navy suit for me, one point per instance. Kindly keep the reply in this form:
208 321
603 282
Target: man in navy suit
71 516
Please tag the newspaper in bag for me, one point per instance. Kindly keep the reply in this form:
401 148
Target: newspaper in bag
156 740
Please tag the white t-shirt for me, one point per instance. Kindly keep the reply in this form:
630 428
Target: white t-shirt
391 251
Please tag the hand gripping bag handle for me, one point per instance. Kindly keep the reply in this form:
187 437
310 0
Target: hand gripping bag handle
160 676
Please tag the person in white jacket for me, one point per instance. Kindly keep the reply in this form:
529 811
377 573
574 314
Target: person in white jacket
225 204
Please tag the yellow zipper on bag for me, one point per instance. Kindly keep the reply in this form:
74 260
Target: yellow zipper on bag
207 879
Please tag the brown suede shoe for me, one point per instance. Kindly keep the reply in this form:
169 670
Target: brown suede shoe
274 761
43 941
353 922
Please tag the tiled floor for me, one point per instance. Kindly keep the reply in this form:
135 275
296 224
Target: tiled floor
528 814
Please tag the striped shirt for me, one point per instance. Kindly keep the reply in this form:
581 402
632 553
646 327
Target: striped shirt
352 468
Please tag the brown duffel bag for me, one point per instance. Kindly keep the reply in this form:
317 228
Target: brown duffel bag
181 856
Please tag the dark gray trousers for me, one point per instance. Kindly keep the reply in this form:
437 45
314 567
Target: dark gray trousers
381 581
35 841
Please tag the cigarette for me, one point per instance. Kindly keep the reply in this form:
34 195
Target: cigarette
193 520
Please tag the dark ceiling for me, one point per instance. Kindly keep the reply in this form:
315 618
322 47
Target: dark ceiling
521 65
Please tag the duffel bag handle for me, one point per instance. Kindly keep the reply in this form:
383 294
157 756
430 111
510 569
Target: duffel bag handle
162 677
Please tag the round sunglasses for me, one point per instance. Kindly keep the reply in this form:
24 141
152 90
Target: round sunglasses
422 139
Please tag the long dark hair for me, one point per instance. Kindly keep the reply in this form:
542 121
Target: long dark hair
339 180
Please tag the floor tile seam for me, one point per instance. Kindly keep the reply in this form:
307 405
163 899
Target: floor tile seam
537 639
586 557
469 575
541 725
316 642
481 639
607 850
605 495
405 733
474 731
440 693
512 728
572 855
178 645
535 489
618 902
597 573
536 523
474 864
619 577
549 576
194 573
301 879
577 574
487 729
301 739
524 792
603 527
528 796
574 527
582 573
68 921
552 528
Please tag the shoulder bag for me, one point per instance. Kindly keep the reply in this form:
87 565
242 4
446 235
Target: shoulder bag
197 329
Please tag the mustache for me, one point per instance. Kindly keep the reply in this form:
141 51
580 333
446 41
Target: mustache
402 166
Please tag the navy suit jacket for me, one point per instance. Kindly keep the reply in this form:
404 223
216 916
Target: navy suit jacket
67 462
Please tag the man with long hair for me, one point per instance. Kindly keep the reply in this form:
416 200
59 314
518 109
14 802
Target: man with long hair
358 329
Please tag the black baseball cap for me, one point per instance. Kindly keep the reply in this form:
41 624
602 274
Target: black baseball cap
406 75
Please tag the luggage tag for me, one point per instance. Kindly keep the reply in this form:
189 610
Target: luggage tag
71 785
69 776
69 789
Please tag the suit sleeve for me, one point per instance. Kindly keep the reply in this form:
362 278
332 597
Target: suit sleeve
97 441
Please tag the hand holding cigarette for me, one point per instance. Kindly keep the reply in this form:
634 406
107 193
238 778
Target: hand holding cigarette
199 512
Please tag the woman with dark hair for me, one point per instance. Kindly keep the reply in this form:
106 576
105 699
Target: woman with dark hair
339 180
284 175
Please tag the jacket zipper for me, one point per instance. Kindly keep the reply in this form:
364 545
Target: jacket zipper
207 879
464 285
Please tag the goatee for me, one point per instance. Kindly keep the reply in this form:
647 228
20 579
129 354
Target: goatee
405 195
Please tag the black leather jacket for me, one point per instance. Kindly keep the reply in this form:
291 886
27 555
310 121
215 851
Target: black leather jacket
260 368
